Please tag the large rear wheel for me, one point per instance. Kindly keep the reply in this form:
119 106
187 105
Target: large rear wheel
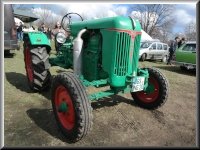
37 66
72 109
156 93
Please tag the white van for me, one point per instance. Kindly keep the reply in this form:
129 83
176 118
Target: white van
153 51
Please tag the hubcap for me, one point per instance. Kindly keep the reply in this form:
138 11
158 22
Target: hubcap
64 107
152 92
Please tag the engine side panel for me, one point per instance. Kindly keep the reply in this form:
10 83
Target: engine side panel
92 53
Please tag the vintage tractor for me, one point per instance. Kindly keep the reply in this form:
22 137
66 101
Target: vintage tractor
101 52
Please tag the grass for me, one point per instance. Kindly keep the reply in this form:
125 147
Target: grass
29 120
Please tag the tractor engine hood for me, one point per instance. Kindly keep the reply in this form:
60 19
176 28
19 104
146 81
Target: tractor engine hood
111 22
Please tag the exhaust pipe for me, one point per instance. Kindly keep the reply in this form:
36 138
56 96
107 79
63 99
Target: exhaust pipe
77 53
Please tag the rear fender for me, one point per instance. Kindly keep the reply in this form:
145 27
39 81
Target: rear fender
38 39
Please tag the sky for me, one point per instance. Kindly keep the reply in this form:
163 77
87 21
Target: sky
183 13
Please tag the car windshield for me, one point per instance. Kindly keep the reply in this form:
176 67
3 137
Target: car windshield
145 45
189 47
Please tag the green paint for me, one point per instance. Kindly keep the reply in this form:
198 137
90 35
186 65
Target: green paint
110 54
63 107
96 83
38 38
150 88
104 23
91 61
184 55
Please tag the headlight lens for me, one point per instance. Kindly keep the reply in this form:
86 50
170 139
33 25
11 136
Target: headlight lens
61 38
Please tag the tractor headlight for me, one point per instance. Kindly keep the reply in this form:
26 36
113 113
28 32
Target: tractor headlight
61 37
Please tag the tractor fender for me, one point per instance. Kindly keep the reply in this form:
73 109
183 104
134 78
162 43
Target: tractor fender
38 39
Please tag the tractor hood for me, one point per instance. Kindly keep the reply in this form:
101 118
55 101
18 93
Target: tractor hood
119 22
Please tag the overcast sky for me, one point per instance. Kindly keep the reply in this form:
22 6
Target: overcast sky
184 13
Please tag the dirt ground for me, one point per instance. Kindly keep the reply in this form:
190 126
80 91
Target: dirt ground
29 120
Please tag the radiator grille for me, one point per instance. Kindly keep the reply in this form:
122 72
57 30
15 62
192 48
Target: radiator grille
122 54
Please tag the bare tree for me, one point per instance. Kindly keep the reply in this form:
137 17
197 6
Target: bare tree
163 33
152 16
190 31
46 16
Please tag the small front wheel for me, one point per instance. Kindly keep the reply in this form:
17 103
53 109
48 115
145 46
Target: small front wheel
71 107
156 93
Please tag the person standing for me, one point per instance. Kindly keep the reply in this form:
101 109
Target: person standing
42 28
54 32
172 49
49 33
181 42
20 32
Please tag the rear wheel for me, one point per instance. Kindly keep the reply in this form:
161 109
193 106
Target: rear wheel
72 109
37 66
156 93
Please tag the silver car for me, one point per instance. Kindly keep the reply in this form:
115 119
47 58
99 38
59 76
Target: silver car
153 51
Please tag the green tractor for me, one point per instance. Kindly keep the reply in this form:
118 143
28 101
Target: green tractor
101 52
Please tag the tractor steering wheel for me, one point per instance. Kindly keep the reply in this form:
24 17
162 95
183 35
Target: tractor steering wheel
69 21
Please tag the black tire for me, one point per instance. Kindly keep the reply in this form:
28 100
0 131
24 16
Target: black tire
143 57
37 66
80 107
158 97
183 68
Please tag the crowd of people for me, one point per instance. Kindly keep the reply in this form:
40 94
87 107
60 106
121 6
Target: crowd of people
176 43
50 33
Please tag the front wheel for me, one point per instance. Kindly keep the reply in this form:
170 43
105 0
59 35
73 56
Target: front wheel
156 93
71 107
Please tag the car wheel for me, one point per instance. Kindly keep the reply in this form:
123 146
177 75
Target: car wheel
143 57
164 59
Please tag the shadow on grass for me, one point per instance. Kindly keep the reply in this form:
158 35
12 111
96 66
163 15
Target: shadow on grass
44 118
8 54
19 80
178 70
112 101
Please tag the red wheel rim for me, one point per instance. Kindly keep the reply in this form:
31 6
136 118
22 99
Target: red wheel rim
28 62
149 97
67 118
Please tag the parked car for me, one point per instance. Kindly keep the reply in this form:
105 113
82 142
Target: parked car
186 55
154 50
10 33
